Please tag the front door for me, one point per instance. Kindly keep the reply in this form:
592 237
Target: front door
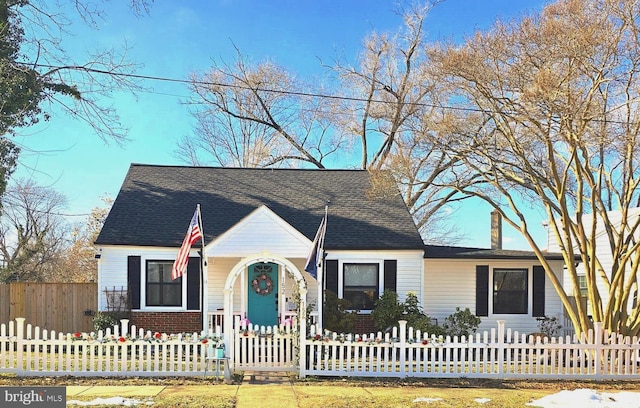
262 300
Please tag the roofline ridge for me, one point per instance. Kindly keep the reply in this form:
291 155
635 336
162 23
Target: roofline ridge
244 168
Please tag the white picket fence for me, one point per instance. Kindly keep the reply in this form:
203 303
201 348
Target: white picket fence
123 351
499 353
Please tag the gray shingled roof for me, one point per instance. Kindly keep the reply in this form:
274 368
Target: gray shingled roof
155 204
451 252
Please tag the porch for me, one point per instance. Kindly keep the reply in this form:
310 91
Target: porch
262 290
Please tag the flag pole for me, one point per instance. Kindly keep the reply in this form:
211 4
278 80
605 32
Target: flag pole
203 275
321 272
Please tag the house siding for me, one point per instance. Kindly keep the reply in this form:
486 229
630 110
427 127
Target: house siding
112 268
113 273
603 253
452 283
261 231
409 267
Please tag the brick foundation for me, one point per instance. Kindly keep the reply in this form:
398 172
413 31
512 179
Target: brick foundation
364 324
167 322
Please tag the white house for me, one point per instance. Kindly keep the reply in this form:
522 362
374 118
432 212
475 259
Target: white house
258 227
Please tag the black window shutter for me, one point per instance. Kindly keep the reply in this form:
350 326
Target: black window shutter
482 290
331 275
390 274
193 284
538 291
133 280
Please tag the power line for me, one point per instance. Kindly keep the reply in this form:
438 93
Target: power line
284 92
235 86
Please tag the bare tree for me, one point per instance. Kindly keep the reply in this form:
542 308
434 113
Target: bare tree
549 120
32 231
77 261
263 116
250 116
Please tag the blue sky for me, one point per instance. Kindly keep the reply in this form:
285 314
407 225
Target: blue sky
180 37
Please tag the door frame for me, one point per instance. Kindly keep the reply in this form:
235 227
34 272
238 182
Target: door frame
275 292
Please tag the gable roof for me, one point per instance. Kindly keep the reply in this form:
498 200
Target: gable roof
155 204
452 252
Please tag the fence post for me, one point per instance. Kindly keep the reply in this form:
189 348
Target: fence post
302 336
124 323
20 344
500 348
597 345
402 349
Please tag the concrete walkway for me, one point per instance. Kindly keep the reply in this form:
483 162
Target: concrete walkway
253 388
280 395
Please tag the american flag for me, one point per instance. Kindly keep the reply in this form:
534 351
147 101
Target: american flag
193 234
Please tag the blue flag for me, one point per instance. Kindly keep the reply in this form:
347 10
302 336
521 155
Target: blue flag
315 255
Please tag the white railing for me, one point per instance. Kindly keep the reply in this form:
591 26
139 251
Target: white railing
567 326
216 318
496 354
123 351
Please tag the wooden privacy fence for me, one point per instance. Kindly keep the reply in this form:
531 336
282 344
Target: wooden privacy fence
496 354
63 307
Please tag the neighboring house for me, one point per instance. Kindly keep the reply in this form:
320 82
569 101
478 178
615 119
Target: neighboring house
259 225
603 252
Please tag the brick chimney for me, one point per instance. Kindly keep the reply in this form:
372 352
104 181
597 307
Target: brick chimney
496 230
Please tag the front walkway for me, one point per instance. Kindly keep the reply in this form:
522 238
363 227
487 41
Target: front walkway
248 394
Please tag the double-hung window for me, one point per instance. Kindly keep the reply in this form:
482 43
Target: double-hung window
582 284
160 289
361 284
510 291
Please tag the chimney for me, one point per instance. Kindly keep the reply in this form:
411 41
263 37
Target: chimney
496 230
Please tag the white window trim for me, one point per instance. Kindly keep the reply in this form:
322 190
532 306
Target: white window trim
143 289
343 261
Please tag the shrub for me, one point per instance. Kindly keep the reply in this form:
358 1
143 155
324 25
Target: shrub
387 311
106 320
461 323
337 316
425 325
549 325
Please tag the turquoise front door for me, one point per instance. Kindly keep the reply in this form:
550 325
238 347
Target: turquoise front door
262 307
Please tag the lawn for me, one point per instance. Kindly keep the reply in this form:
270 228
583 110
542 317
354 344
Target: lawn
206 393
